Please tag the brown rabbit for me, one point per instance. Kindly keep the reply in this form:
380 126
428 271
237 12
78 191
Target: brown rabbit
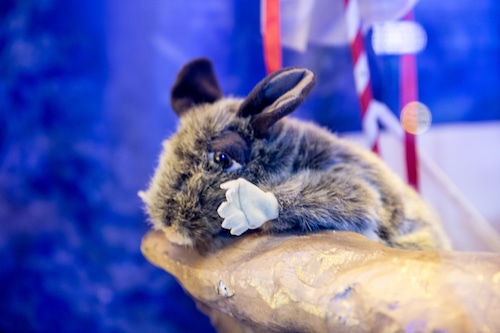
240 164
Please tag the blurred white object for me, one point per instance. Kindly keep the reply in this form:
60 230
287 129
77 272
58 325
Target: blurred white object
322 22
379 113
398 37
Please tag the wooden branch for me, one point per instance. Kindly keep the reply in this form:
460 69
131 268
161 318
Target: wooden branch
334 282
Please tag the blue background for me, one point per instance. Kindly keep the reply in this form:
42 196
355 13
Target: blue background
84 105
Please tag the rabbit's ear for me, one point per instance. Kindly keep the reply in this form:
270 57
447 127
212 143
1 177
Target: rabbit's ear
195 84
275 97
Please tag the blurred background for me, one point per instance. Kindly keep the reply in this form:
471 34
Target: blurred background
84 106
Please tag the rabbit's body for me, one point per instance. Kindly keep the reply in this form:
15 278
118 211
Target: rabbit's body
319 180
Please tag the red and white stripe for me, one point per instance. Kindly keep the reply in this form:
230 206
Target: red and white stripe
362 78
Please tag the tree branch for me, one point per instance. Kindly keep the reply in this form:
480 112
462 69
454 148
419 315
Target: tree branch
334 282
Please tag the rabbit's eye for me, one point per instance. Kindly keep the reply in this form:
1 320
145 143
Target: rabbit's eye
225 161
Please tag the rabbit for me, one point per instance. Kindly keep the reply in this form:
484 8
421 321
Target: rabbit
238 165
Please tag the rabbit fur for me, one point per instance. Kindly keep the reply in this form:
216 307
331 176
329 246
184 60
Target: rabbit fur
320 181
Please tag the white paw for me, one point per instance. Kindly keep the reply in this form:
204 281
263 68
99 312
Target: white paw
247 206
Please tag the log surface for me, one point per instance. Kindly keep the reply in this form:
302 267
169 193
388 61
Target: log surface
334 282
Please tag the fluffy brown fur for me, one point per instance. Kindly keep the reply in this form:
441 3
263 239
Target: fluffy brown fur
319 180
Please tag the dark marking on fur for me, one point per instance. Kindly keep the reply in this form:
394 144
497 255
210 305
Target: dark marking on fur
383 232
233 144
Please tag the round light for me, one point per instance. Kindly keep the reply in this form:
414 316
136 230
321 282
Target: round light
416 118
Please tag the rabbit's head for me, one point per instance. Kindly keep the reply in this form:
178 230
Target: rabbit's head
218 139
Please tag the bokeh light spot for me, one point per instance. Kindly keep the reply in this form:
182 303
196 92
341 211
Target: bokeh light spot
415 118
